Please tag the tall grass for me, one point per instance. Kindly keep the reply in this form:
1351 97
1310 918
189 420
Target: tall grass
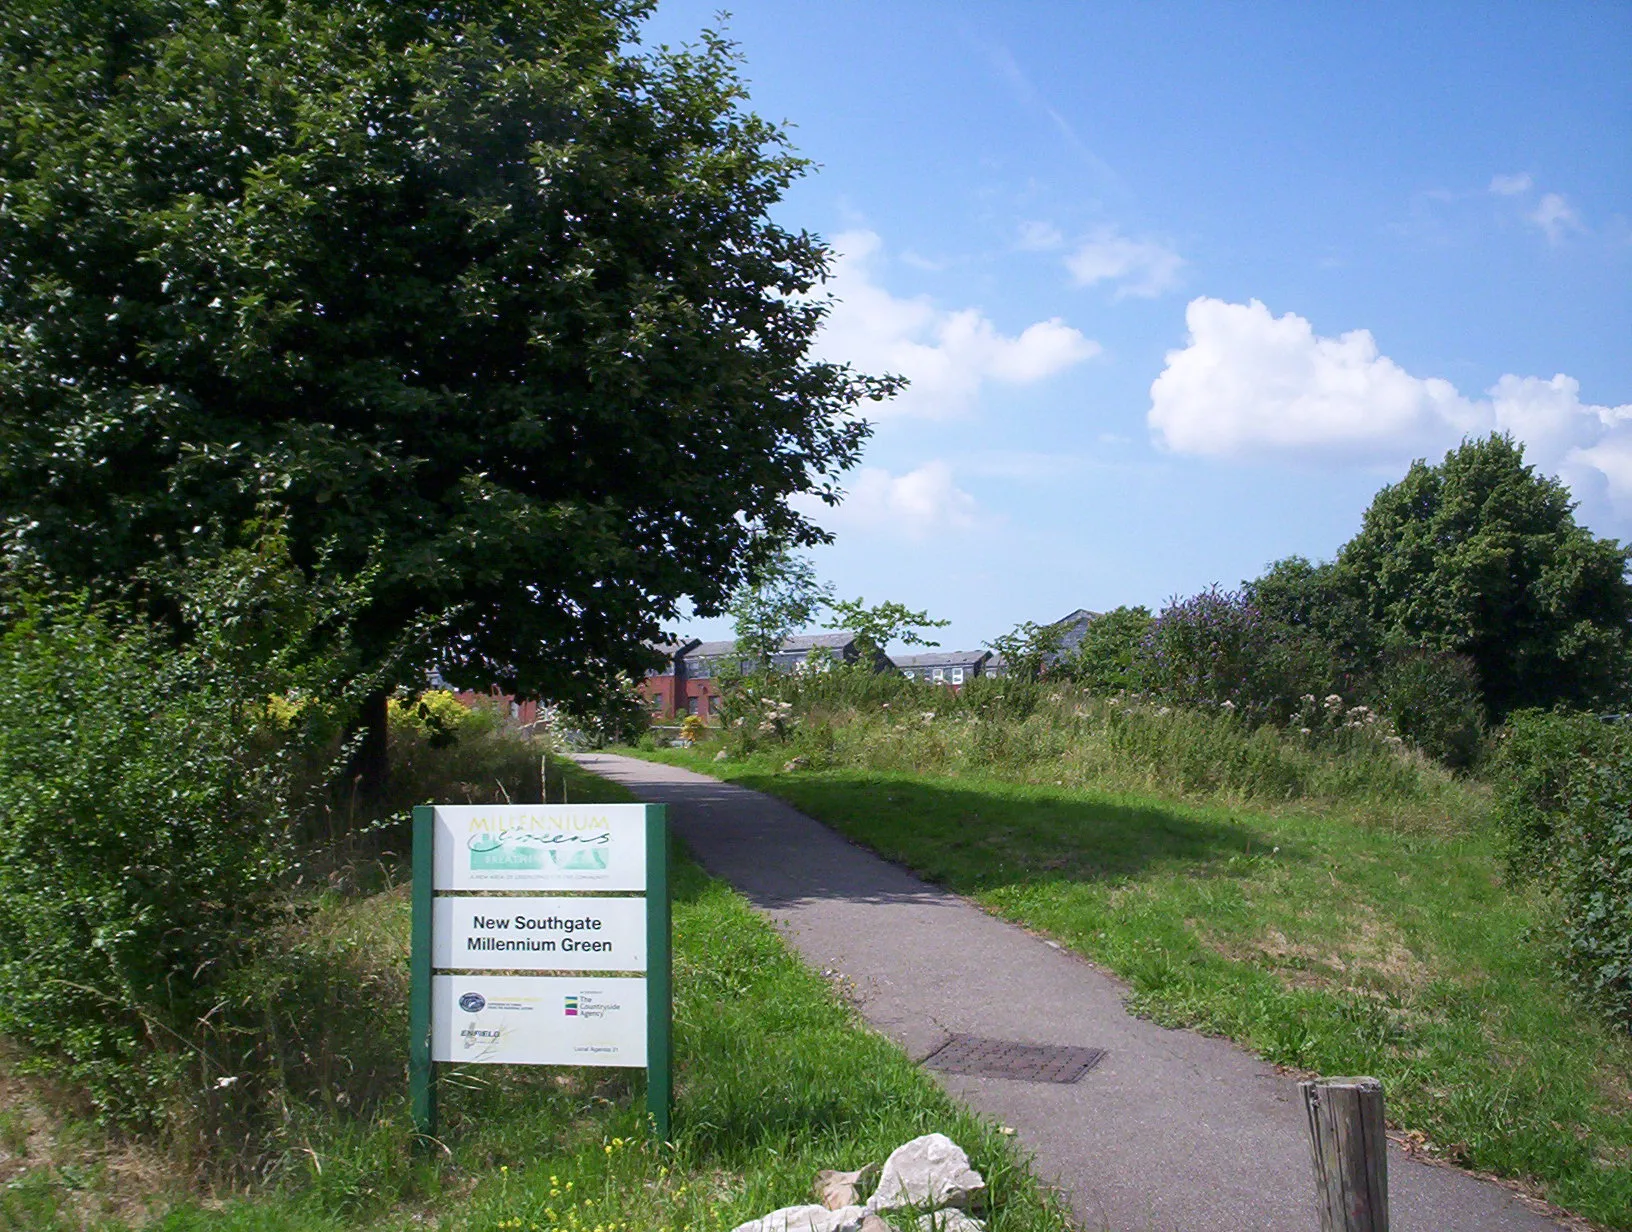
1067 736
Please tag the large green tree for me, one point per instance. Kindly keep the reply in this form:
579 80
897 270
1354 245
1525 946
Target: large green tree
480 297
1481 556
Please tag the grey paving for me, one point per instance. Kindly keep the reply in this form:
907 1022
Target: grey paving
1170 1132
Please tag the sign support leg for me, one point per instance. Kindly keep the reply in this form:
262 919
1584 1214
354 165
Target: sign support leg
421 1069
659 975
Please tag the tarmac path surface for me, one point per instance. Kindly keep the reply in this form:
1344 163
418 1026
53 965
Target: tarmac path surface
1171 1132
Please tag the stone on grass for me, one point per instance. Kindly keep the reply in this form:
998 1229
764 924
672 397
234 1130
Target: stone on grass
808 1219
836 1190
722 755
949 1220
928 1173
797 763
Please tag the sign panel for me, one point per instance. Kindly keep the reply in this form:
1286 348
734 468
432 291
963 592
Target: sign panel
539 934
538 1020
540 847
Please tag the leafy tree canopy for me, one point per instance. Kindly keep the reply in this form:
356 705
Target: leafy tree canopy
877 626
1482 557
479 298
781 594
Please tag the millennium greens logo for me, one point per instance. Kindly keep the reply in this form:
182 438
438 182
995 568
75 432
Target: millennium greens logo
572 843
473 1003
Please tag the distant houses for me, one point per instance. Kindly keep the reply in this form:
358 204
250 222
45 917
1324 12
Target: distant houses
949 668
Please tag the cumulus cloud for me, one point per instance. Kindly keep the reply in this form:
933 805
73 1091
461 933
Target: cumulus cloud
1143 268
1250 385
1556 217
921 503
947 355
1511 185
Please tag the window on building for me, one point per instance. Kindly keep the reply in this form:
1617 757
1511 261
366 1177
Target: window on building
957 675
907 672
691 705
940 675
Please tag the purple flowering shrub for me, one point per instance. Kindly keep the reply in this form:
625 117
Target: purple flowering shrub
1217 648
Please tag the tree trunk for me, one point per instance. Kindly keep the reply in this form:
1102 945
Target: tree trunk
370 770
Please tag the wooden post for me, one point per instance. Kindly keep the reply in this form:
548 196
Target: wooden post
1350 1152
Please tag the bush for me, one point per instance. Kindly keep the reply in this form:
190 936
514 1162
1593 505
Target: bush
1433 700
1595 881
1104 659
1536 755
1564 802
1217 648
144 833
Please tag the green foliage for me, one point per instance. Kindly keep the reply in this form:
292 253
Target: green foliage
1028 649
1433 700
1104 659
144 833
878 626
1536 755
485 297
1564 802
442 750
1595 881
1482 557
781 594
1318 605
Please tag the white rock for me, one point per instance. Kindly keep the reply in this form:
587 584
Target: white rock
949 1220
928 1173
808 1219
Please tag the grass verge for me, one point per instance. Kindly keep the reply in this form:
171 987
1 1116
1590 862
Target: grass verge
775 1079
1321 944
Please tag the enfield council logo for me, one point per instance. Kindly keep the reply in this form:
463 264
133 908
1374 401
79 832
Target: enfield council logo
473 1003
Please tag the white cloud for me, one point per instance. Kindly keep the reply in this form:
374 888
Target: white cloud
1040 236
921 503
1144 268
1250 385
947 355
1511 185
1556 217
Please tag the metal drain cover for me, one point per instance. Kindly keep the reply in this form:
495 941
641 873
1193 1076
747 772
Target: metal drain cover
973 1054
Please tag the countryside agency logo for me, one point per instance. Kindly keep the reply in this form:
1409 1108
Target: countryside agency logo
473 1003
588 1005
570 842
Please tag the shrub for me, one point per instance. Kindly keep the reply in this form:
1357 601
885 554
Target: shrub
1536 755
144 832
1104 659
1433 700
1564 802
1595 881
1217 647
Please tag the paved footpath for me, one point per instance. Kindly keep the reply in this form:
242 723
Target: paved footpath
1171 1132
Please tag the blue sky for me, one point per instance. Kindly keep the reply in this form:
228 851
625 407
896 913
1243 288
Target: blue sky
1179 286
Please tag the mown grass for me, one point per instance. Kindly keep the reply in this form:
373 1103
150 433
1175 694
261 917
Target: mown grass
775 1079
1321 942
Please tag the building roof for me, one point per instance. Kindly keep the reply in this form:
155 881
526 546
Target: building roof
811 641
799 643
711 650
1073 626
945 658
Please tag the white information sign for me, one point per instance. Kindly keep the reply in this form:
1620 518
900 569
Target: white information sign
540 848
538 1020
539 934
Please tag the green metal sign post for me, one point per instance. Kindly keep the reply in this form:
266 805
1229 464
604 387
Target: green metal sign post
527 945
